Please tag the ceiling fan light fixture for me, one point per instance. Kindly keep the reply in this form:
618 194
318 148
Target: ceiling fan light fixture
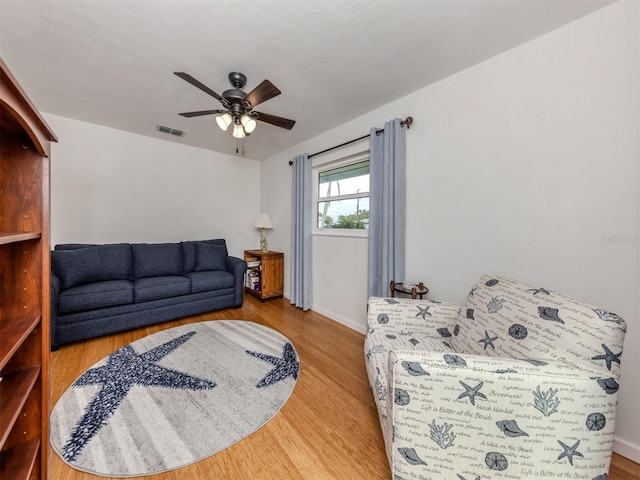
238 131
248 123
224 121
237 106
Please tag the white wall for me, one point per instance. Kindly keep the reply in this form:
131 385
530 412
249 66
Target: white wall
108 186
524 165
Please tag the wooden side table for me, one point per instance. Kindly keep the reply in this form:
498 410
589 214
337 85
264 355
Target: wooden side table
415 291
265 276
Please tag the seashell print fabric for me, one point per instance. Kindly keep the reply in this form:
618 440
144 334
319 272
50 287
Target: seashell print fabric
515 384
515 320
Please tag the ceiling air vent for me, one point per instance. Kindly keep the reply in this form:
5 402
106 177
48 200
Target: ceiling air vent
170 131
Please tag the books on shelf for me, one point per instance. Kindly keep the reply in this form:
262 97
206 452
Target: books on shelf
254 264
252 280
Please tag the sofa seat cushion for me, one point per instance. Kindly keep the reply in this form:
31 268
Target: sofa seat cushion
152 288
214 280
377 347
95 295
156 259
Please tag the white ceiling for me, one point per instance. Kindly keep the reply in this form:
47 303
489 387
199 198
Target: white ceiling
111 62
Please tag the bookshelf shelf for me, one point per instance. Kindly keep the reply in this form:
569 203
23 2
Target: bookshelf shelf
8 237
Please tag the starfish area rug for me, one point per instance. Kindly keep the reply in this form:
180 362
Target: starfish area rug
173 398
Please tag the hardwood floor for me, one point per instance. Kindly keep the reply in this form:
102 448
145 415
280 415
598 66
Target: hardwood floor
327 430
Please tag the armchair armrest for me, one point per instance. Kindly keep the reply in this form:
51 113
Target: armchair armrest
466 415
398 313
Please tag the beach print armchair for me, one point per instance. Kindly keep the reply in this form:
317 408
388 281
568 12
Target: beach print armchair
520 382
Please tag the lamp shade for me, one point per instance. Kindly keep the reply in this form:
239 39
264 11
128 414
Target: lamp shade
263 221
224 121
248 123
238 131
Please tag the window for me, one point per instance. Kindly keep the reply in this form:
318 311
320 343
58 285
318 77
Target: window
342 197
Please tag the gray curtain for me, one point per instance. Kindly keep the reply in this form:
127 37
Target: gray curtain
301 203
387 207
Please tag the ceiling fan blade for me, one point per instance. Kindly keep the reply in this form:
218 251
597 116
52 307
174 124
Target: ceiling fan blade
201 112
200 85
261 93
274 120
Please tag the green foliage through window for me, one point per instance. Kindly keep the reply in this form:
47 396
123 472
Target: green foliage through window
342 196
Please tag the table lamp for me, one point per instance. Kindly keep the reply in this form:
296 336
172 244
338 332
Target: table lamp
263 222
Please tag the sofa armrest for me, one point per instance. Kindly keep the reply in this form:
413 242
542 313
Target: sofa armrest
424 315
466 415
237 267
55 291
55 286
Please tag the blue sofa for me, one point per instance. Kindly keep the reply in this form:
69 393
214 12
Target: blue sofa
102 289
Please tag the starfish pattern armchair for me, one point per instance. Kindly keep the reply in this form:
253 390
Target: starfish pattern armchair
519 382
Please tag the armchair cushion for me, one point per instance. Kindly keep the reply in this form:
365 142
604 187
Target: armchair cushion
381 344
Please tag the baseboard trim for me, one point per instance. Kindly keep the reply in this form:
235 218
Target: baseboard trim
337 318
626 449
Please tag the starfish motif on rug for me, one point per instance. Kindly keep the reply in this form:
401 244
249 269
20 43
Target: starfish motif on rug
124 369
287 366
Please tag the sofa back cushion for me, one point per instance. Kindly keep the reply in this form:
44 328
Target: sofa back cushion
115 258
156 259
210 257
189 252
77 267
507 318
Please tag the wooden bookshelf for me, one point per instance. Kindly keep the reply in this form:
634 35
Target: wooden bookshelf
24 284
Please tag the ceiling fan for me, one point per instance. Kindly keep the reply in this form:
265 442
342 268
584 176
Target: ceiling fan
238 106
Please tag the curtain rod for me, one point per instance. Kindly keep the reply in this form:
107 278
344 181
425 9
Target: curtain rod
407 121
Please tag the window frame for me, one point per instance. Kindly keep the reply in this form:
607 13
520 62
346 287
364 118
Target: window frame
331 165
